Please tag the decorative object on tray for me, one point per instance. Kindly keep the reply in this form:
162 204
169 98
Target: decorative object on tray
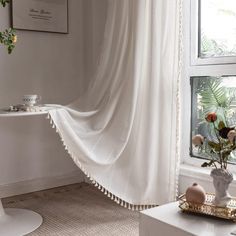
218 145
23 108
195 193
209 208
221 180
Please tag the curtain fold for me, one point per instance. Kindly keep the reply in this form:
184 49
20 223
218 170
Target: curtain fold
123 132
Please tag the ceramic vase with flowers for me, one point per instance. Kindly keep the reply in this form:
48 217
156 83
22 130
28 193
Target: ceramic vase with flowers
220 150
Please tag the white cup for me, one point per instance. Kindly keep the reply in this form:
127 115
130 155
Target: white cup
31 99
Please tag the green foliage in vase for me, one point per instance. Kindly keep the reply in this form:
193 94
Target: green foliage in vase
8 37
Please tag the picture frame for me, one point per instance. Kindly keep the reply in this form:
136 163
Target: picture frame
40 15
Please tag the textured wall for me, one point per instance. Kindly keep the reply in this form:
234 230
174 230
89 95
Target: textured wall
56 66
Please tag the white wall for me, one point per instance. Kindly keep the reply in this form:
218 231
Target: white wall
56 67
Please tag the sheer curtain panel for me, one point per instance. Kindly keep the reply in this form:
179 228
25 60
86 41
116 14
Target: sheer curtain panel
123 133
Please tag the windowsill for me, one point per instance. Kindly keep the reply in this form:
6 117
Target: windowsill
191 174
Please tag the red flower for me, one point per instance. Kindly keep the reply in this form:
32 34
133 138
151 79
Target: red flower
211 117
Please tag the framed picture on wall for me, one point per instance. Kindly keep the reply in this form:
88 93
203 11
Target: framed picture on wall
40 15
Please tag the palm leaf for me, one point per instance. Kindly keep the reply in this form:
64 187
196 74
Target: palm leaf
213 97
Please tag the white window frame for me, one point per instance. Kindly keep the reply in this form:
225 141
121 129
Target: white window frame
190 168
195 27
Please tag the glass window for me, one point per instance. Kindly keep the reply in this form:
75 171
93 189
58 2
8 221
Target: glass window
212 52
217 28
213 95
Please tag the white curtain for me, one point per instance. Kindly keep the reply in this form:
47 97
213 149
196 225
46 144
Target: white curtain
123 133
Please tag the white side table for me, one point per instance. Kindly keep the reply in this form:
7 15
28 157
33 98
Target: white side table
168 220
13 221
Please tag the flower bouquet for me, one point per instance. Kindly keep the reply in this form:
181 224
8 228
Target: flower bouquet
220 148
215 137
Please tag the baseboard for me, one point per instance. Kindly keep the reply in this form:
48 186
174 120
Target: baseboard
33 185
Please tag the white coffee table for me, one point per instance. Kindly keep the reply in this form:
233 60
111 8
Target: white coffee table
168 220
13 221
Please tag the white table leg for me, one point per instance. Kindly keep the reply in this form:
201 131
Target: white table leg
2 212
18 222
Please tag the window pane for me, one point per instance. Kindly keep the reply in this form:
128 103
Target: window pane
212 94
217 28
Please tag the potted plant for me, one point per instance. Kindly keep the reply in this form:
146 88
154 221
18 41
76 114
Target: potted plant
8 37
216 139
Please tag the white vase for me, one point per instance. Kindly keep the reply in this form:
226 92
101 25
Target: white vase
221 180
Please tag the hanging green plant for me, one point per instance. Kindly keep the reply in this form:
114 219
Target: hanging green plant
4 2
8 37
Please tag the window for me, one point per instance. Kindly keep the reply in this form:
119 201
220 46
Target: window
212 94
210 61
217 28
213 35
